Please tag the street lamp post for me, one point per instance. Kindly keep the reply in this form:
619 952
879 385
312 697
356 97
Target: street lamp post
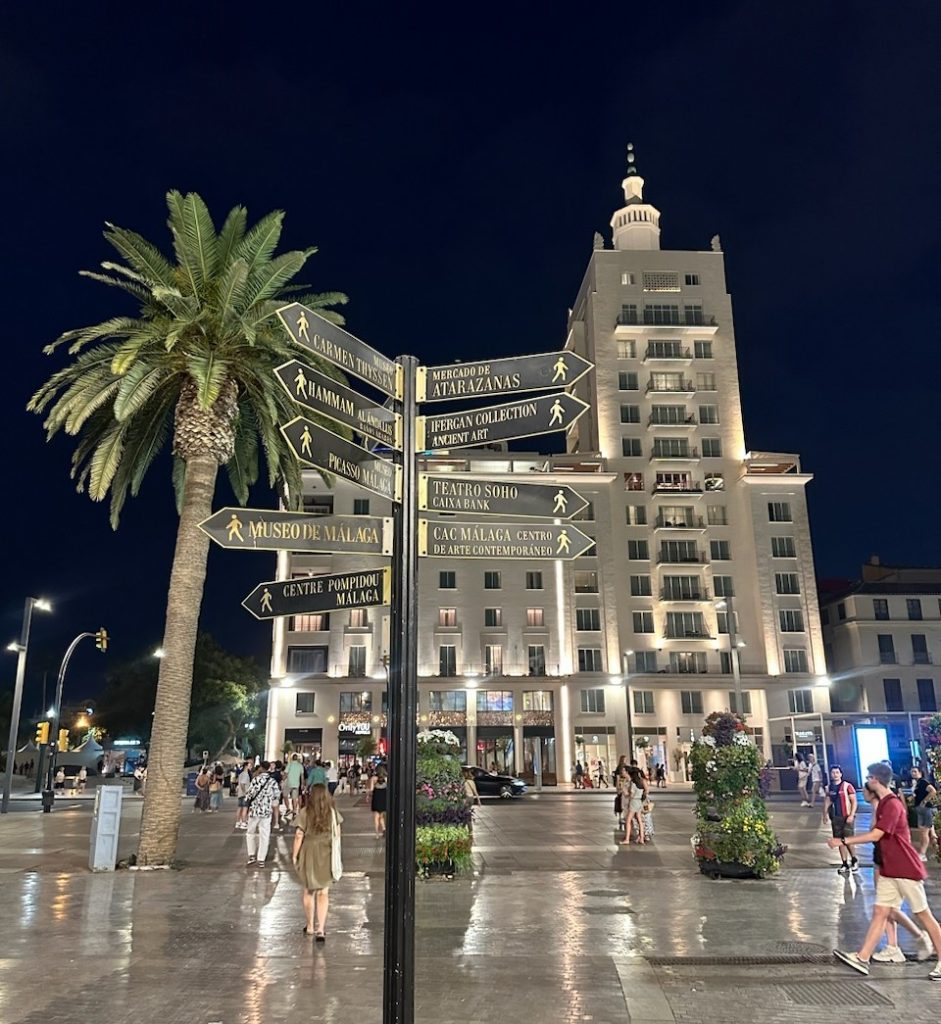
726 605
20 648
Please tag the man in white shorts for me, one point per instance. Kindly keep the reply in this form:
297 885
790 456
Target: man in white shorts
901 873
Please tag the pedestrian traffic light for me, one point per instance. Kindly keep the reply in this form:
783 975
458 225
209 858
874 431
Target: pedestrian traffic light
101 640
63 743
42 733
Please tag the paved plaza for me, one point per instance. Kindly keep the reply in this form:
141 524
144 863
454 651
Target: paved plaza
557 924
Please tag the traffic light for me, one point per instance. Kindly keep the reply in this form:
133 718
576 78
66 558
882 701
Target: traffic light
101 640
42 733
63 743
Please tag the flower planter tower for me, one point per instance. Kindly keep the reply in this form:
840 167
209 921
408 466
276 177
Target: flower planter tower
442 813
733 838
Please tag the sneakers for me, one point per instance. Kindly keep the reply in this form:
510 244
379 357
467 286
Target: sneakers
854 866
936 973
889 955
804 803
925 950
250 862
843 869
852 960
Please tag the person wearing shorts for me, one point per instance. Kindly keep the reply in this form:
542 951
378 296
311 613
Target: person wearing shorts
901 873
839 806
923 794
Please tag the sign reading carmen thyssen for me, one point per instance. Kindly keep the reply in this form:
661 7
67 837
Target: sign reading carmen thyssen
324 450
541 415
316 391
447 492
327 593
341 348
446 538
258 529
501 376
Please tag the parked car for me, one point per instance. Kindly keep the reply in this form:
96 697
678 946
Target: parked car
492 784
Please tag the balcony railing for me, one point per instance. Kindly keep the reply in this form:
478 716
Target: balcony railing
688 488
681 387
653 421
672 523
668 594
665 558
687 634
653 354
647 318
687 453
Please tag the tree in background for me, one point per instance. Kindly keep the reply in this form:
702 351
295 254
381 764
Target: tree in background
195 365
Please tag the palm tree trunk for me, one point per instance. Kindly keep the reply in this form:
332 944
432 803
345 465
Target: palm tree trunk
160 824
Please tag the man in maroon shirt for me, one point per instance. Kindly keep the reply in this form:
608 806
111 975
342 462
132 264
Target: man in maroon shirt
901 872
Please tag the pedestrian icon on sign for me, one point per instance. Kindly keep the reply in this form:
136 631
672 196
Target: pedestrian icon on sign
302 325
266 600
564 543
306 438
561 370
557 409
561 503
235 528
300 382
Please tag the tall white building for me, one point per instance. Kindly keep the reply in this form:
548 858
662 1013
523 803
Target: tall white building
702 564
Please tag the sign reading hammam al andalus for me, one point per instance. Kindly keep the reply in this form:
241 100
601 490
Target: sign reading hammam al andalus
447 492
316 391
331 453
499 422
362 589
341 348
445 538
259 529
500 376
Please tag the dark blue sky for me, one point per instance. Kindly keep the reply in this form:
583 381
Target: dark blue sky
452 165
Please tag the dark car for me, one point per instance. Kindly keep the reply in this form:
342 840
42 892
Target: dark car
492 784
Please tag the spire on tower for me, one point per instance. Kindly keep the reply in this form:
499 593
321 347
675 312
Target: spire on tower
637 224
631 169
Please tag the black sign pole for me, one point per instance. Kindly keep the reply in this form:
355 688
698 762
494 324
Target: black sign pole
398 986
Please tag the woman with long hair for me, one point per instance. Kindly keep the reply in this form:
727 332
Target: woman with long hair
377 801
632 805
312 856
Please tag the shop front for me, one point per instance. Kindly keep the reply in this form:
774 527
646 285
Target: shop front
539 750
596 747
352 730
308 742
495 748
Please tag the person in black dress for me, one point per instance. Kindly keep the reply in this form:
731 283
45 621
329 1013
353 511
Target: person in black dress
380 790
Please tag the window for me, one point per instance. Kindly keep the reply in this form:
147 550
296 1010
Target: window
355 701
643 622
691 280
316 623
627 381
633 481
880 608
494 700
841 611
708 414
913 604
717 515
587 619
670 447
661 313
892 688
691 702
723 586
662 281
536 655
447 581
535 617
711 448
705 382
630 447
447 616
645 661
628 314
357 668
361 506
792 620
534 580
636 515
637 550
630 414
800 702
779 512
447 660
920 654
304 703
664 381
746 703
786 583
493 616
714 481
307 661
627 349
679 551
688 662
886 649
493 659
665 350
492 581
643 702
640 586
358 618
537 700
725 662
447 700
693 315
926 696
319 504
586 581
795 659
682 588
685 624
825 616
722 622
589 659
591 702
702 349
669 415
783 547
720 550
627 278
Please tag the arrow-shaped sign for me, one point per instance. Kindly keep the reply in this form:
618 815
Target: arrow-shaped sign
329 452
260 529
362 589
541 415
444 538
500 376
316 391
341 348
448 492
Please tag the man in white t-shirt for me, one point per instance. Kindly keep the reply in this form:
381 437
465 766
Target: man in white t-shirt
242 782
816 779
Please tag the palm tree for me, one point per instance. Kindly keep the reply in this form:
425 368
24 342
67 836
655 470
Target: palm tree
195 363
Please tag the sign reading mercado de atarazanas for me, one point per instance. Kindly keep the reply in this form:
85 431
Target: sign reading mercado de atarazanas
501 376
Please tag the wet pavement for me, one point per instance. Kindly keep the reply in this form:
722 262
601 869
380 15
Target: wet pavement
556 924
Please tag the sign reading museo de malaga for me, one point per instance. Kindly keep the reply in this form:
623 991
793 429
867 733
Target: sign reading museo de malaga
259 529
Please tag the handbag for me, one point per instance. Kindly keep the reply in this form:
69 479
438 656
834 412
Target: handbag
336 856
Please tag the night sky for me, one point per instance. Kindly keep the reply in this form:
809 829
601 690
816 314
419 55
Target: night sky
453 173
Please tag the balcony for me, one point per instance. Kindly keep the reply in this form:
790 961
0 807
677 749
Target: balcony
678 355
662 487
680 387
687 455
667 594
672 523
654 423
698 558
672 634
648 318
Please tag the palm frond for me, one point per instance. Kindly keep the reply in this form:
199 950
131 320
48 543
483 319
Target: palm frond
233 231
266 280
258 245
179 482
104 463
81 336
145 258
139 291
209 373
232 288
135 390
242 468
145 438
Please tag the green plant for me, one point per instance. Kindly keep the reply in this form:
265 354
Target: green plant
366 748
443 814
444 847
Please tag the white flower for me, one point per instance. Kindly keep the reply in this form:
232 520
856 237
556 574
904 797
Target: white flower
710 766
438 736
741 739
710 741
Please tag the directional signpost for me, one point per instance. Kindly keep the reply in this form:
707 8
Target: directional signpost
445 538
447 492
501 376
541 415
260 529
363 589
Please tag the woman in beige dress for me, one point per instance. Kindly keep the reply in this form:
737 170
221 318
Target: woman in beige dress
312 855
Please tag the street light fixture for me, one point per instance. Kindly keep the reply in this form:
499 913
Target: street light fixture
159 653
